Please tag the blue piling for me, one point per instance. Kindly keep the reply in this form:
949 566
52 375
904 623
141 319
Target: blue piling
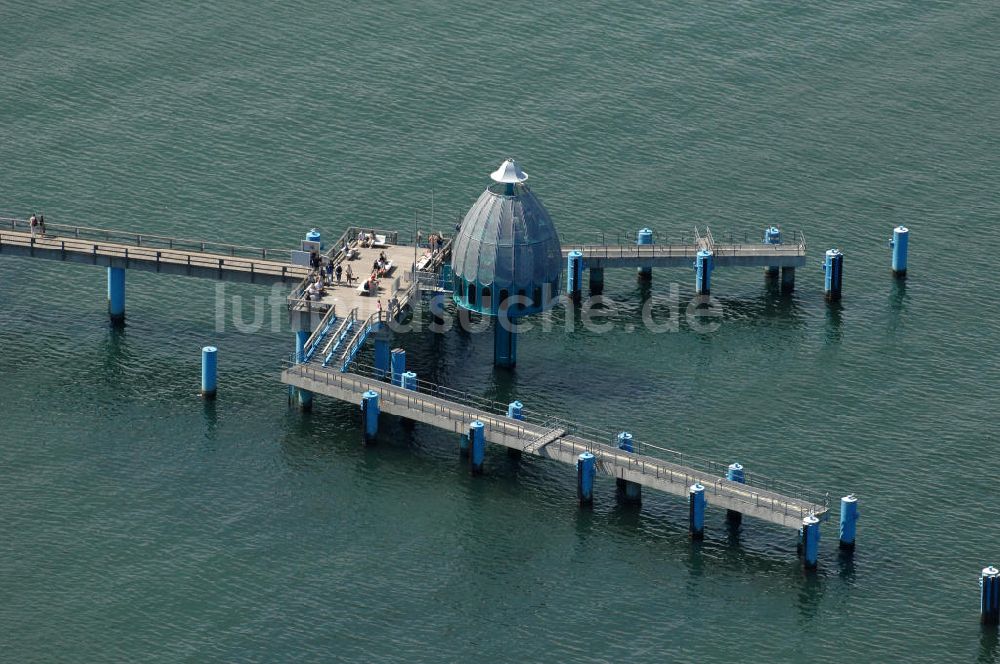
703 272
314 236
209 371
989 596
477 441
735 474
848 521
381 355
645 236
596 280
586 471
810 541
574 275
772 236
305 396
833 267
696 511
630 492
301 337
369 413
900 244
409 380
397 362
116 294
504 345
515 411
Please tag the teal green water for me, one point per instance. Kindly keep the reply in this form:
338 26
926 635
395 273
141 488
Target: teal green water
138 524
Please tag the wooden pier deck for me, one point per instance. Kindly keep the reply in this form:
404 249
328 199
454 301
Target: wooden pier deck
554 442
91 246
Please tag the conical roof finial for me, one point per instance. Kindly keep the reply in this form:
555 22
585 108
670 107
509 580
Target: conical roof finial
509 171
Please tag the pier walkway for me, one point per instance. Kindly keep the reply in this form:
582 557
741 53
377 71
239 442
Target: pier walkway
154 253
553 439
731 253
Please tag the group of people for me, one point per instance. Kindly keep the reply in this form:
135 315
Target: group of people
37 223
435 241
315 290
380 267
366 240
325 274
393 307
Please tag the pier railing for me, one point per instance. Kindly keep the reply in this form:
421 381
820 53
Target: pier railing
67 245
663 246
591 437
648 459
148 240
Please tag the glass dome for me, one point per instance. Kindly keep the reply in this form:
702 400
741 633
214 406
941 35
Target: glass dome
507 246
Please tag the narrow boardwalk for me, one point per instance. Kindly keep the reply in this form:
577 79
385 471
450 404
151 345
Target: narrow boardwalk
725 254
152 253
553 443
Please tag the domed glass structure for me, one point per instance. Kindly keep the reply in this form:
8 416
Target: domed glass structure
507 247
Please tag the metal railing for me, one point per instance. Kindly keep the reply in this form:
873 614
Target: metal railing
350 238
784 497
149 240
593 437
336 342
319 333
798 505
411 399
591 251
442 391
794 244
176 257
358 340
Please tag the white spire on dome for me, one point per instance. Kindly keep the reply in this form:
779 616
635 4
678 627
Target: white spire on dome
509 171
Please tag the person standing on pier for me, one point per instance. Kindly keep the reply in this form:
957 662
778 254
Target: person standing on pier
380 309
340 271
41 224
350 275
32 223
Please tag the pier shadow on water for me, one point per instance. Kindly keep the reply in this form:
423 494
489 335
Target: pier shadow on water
898 304
989 645
769 305
117 354
834 333
210 415
845 566
811 592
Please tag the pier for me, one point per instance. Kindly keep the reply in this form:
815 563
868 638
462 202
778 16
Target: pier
554 439
731 252
152 253
496 257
